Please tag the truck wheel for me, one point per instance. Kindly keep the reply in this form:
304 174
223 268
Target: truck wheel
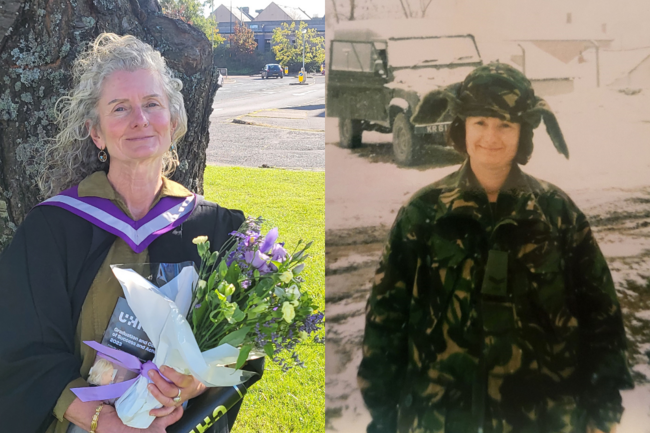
349 133
406 145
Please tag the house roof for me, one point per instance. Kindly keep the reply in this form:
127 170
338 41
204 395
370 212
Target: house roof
618 64
223 14
246 12
561 33
295 13
275 12
540 65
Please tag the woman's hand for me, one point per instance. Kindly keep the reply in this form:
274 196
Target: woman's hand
109 422
166 392
160 424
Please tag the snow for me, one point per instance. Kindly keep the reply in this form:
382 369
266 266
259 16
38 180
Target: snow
617 64
636 418
607 134
424 80
607 175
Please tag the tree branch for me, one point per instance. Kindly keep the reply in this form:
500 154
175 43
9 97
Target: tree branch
406 15
424 9
336 13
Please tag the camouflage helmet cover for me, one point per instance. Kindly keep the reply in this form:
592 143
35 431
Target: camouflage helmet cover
493 90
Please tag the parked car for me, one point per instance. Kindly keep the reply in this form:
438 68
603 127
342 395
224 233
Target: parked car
378 72
272 70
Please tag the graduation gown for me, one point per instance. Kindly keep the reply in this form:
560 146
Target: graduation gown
45 274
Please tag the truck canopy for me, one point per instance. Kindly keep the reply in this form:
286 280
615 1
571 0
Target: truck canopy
391 29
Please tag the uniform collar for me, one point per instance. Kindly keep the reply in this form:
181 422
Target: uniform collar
462 196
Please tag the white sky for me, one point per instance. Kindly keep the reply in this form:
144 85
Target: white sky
625 21
312 7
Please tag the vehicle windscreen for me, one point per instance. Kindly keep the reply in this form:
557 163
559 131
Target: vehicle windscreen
424 52
274 68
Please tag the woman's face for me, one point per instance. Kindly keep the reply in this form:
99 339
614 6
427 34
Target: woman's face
134 118
491 142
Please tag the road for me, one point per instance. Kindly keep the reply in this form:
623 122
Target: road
607 176
280 123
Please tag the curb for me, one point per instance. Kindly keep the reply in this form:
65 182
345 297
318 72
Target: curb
266 125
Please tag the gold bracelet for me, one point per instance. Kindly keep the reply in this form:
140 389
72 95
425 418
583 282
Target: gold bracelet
93 423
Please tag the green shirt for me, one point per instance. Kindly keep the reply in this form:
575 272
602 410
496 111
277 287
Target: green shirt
105 289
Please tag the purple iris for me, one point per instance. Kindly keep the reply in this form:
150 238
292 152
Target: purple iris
259 260
249 256
278 253
269 240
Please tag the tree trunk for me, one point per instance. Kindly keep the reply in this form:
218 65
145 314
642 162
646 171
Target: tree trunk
36 55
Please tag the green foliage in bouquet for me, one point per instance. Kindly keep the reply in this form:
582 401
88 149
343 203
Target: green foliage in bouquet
249 296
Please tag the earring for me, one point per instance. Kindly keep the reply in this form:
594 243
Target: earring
173 147
102 156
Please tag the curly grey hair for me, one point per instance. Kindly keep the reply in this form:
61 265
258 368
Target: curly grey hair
72 155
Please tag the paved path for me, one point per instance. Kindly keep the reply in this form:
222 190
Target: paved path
274 122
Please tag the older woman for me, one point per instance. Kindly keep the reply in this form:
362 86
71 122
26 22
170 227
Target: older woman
109 202
493 309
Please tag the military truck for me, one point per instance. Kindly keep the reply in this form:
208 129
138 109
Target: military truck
380 69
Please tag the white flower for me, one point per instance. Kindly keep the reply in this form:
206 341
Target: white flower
285 277
199 240
288 313
293 293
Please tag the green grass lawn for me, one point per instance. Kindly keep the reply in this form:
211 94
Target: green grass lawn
293 201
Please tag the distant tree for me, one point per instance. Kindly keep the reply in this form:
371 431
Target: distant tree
412 12
242 41
191 11
336 12
290 54
210 28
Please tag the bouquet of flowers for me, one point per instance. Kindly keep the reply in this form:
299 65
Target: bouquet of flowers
253 298
241 307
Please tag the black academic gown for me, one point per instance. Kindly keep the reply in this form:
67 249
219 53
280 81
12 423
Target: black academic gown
45 275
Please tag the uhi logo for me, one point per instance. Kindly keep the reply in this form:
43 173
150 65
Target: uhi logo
217 413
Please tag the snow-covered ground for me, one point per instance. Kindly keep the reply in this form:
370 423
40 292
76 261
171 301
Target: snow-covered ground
608 176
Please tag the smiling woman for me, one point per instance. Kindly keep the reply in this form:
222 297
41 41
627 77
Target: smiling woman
108 202
493 306
135 129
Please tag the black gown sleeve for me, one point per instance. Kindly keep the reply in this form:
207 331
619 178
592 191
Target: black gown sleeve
38 275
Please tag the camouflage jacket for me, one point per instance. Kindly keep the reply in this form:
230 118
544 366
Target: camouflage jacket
495 316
